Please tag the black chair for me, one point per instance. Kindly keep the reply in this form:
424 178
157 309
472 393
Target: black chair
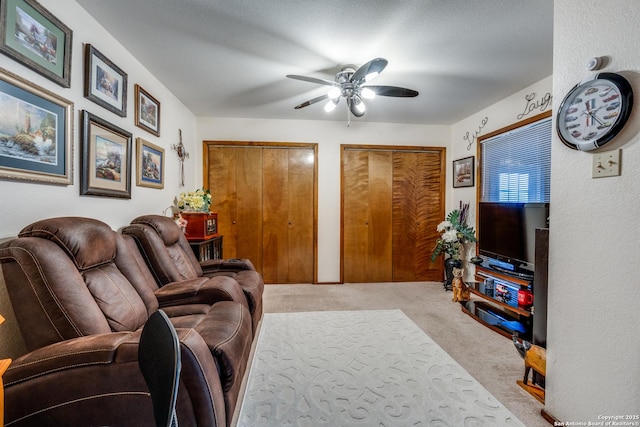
159 360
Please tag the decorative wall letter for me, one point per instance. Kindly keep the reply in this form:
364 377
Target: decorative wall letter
471 138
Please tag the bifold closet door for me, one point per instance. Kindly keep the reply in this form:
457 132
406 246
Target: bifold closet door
418 199
392 202
265 199
367 211
235 182
288 215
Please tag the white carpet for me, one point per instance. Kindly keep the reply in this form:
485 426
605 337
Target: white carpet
360 368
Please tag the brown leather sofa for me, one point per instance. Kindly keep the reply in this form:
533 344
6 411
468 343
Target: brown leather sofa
170 257
81 294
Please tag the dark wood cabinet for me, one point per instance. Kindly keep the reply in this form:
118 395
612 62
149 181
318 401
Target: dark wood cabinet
207 249
540 287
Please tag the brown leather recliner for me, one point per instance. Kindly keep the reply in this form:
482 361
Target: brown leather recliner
170 257
81 315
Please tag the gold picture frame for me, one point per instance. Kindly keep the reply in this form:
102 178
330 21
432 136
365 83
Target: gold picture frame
150 170
36 132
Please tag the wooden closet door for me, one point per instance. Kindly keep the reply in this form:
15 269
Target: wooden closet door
367 210
417 210
392 201
265 197
288 215
235 182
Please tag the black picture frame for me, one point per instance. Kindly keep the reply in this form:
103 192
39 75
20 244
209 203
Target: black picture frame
104 82
147 115
36 133
33 36
464 172
105 160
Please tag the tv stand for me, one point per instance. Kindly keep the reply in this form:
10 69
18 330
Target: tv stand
518 272
500 311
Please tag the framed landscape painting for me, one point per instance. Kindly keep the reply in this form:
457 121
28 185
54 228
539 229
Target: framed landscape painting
36 133
105 160
147 114
150 164
31 35
104 82
463 172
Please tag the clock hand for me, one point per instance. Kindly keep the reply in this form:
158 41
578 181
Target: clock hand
594 117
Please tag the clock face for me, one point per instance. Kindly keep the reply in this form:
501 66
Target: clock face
594 112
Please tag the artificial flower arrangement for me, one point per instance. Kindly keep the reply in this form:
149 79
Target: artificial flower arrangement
198 200
454 234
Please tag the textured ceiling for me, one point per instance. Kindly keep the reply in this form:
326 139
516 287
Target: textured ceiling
229 58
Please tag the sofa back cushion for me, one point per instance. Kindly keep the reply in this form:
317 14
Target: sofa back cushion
88 242
165 248
63 282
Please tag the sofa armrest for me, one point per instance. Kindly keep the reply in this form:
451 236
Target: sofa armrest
232 264
203 290
96 380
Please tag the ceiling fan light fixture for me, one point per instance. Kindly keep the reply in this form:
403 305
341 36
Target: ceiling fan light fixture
334 93
357 101
367 93
349 84
331 105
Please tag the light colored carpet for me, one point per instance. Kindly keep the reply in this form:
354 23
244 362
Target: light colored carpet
360 368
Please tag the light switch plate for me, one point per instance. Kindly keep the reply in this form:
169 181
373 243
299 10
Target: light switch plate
606 164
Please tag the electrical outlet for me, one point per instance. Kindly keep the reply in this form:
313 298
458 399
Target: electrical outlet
606 164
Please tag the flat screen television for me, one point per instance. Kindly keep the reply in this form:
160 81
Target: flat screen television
506 233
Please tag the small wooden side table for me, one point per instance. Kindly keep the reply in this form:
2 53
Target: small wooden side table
4 365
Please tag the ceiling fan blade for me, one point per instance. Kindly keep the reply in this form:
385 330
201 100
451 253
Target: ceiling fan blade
373 66
312 101
312 80
393 91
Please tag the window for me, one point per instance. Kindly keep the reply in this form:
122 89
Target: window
516 163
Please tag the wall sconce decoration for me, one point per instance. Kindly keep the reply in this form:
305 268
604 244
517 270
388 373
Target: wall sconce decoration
182 155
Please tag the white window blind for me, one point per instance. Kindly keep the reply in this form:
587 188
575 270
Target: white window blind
516 165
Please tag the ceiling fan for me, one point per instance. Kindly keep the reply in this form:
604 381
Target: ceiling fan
350 83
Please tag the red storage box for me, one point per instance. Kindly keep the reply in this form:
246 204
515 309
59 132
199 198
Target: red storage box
201 225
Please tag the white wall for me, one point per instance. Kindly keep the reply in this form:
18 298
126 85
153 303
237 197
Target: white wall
593 365
526 103
22 203
328 135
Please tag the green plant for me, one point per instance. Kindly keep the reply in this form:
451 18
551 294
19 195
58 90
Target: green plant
454 234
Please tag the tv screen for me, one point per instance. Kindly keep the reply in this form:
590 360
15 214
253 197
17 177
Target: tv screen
506 231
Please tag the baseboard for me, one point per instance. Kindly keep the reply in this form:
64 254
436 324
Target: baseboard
549 418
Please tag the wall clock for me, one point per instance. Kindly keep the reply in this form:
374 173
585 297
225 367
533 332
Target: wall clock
594 111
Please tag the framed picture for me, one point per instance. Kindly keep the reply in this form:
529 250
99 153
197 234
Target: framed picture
105 161
150 164
104 82
147 111
31 35
36 133
463 172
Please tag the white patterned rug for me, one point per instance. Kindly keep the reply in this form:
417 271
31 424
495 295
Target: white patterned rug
360 368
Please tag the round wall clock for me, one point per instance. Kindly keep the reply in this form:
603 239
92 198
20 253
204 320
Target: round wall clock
594 112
